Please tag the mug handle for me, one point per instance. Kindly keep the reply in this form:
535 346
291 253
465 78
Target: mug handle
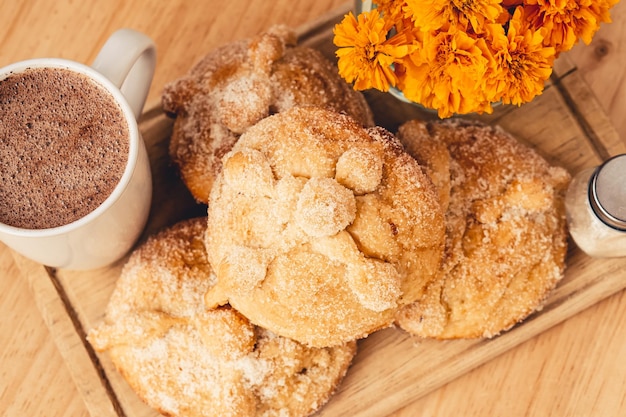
128 59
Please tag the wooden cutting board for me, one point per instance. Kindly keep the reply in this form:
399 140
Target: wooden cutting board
565 124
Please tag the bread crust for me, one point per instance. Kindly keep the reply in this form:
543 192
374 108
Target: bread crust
240 83
183 359
506 237
320 229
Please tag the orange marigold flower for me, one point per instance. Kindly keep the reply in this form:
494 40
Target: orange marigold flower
365 54
446 73
511 3
460 56
436 14
522 62
391 9
568 20
392 12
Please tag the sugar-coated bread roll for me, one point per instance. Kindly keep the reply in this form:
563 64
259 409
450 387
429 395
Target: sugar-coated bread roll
506 236
240 83
320 229
186 360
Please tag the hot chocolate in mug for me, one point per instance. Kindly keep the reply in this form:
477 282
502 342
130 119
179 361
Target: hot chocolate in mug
76 181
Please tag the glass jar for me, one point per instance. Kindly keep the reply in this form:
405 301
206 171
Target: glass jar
596 209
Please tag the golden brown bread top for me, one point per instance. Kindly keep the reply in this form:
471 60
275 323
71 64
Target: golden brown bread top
237 85
320 229
186 360
505 229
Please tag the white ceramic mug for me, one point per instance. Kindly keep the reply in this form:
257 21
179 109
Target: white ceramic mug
124 67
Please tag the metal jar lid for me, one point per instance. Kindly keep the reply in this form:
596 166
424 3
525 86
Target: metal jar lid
607 192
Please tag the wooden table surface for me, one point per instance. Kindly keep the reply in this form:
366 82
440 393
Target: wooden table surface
576 368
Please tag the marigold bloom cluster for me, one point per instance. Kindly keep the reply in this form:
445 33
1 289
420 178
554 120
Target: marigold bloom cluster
462 56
